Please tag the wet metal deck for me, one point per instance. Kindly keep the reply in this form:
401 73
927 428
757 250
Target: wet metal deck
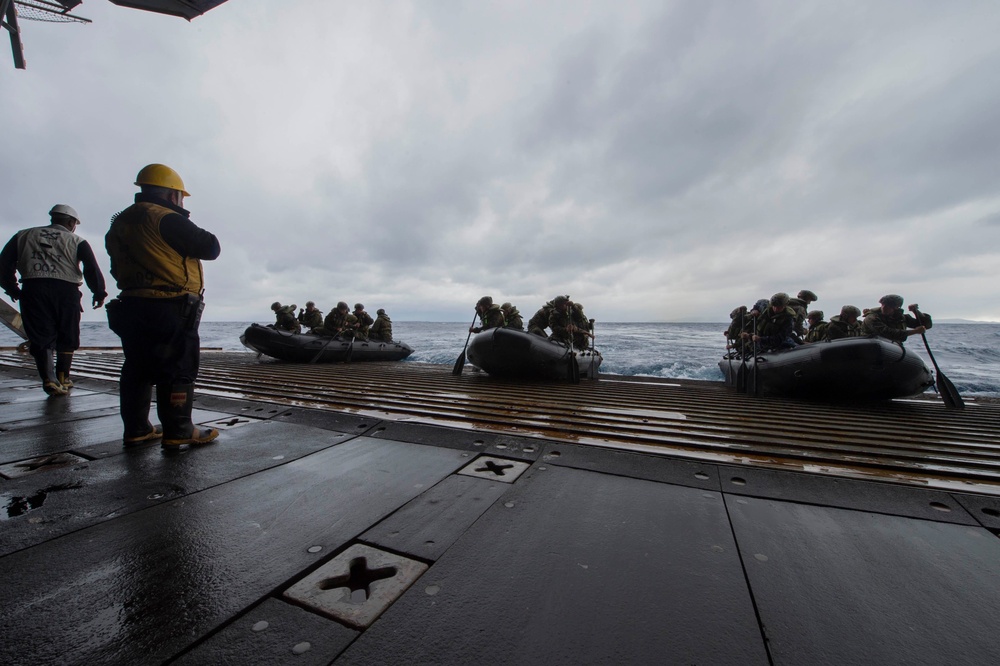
705 527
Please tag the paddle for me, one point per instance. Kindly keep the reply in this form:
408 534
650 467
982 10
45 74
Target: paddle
350 350
574 366
753 383
947 390
322 349
460 361
741 374
592 369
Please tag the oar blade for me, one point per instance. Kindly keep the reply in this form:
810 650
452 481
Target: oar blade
949 394
574 369
459 364
741 377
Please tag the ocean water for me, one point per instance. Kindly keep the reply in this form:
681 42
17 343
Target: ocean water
969 354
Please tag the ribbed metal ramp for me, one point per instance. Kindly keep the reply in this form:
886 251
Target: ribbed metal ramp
910 441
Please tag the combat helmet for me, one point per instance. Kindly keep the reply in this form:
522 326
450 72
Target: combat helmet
815 313
485 302
359 306
781 298
806 295
850 310
892 300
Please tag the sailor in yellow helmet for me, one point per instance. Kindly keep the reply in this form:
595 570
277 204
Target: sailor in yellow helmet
156 254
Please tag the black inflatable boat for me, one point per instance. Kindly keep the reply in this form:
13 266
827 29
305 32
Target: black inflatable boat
505 352
308 348
850 369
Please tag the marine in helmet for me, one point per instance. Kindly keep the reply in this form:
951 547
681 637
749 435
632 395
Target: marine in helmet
800 304
49 259
582 327
490 315
561 320
817 327
889 321
284 316
339 323
310 317
365 321
512 317
156 253
844 325
774 325
382 328
539 321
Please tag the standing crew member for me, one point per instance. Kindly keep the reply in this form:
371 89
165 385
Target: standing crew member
156 253
48 259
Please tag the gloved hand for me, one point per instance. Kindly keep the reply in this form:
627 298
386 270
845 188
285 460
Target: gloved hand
99 301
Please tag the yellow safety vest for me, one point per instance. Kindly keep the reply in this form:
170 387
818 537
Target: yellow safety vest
141 260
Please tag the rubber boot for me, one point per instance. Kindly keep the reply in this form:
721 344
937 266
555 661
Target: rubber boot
64 361
134 402
47 371
174 405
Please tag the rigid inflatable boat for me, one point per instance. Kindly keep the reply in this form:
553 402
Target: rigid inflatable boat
849 369
309 348
505 352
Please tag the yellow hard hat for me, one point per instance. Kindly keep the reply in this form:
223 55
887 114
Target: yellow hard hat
160 175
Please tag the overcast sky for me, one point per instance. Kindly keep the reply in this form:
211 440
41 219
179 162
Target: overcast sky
657 161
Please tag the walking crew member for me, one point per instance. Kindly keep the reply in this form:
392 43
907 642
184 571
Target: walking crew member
48 259
156 253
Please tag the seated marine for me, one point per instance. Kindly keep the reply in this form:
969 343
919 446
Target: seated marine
817 327
382 328
284 316
490 315
583 327
339 323
513 317
774 326
540 320
801 304
889 321
364 321
561 321
311 317
844 325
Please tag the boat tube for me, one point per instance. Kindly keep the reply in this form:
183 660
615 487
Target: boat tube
505 352
309 348
848 369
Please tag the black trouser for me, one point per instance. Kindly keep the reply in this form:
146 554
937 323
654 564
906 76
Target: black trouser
160 347
50 310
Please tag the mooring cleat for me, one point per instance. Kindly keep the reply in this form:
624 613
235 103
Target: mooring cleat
54 388
197 436
155 433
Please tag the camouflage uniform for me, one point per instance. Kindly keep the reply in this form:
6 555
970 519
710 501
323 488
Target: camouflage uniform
285 318
774 328
340 322
841 328
512 316
382 328
540 320
492 318
310 318
365 321
580 320
892 327
817 331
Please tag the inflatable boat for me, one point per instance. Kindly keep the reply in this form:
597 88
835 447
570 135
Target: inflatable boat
309 348
505 352
849 369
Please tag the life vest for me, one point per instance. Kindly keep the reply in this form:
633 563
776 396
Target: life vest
48 252
143 262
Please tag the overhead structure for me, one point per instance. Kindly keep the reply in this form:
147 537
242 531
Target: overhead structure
57 11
